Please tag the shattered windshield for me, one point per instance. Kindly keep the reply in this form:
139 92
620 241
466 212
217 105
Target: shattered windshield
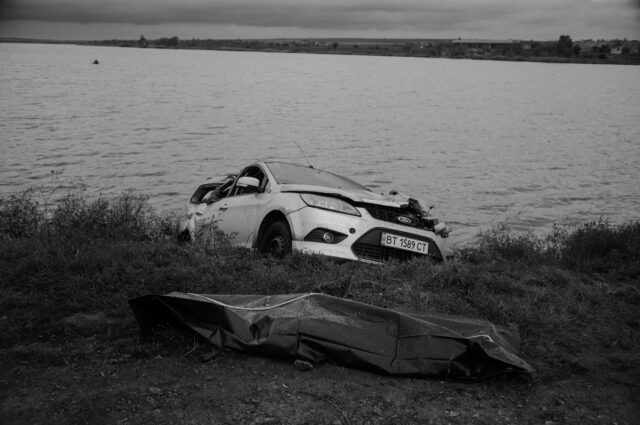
297 174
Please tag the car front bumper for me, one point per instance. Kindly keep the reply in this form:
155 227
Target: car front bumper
361 236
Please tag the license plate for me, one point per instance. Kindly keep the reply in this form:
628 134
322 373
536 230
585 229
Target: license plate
403 242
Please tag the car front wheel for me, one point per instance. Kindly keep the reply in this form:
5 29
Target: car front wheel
276 240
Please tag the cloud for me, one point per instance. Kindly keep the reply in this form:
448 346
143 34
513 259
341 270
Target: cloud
411 16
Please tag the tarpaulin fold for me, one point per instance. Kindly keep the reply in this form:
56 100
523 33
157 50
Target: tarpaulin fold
319 327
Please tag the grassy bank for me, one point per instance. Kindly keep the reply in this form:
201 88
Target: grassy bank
93 256
575 294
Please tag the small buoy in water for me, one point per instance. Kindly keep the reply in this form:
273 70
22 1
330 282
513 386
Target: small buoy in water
95 62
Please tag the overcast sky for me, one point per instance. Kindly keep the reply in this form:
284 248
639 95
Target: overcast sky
128 19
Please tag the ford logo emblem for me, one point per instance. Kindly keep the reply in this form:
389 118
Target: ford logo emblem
404 220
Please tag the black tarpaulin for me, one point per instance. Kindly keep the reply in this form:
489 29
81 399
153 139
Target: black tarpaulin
318 327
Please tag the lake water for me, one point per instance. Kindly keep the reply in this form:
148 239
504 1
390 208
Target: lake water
483 141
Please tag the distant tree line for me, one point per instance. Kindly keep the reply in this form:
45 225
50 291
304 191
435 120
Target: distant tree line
564 48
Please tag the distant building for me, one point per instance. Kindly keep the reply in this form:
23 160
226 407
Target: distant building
486 46
587 46
469 43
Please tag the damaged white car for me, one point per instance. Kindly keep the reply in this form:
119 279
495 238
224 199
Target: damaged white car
277 208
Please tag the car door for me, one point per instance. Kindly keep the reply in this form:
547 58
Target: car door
239 214
203 205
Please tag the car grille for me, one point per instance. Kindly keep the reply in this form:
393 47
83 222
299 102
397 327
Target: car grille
381 253
368 247
391 215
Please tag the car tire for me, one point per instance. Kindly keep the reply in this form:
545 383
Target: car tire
276 240
184 236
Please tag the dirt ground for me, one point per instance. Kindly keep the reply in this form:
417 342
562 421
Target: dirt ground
98 372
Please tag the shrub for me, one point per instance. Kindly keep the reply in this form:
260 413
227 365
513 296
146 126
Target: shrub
501 243
20 215
128 216
596 246
599 246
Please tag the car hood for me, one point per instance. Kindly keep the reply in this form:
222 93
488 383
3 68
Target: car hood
358 196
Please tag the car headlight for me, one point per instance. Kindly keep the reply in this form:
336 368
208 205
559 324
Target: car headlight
329 203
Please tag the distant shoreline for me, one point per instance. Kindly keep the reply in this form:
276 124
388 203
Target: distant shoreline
495 50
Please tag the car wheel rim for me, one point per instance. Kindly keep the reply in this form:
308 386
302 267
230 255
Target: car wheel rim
276 246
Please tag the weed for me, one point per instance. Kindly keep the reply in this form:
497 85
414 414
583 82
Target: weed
596 246
20 215
128 216
501 243
599 246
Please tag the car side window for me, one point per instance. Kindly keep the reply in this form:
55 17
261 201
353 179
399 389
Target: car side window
223 191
